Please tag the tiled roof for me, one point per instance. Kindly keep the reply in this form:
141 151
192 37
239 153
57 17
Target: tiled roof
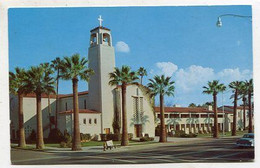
54 95
70 95
187 110
80 111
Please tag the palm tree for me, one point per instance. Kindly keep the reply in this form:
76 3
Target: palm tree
56 65
235 85
142 72
214 88
16 85
123 77
243 94
74 68
39 81
117 117
47 67
250 90
163 86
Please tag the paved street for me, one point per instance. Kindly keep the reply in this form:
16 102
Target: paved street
208 150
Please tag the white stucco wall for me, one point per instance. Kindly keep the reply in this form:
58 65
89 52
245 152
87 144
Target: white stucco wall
66 122
69 101
29 110
101 58
149 126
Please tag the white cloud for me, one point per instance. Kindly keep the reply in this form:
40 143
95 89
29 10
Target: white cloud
187 79
166 68
122 47
229 75
195 77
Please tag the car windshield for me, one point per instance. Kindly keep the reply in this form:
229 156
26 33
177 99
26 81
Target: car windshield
248 136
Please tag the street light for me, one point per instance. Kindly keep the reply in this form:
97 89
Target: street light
223 115
219 22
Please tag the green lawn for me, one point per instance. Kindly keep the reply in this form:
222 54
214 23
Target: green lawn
28 147
226 134
100 143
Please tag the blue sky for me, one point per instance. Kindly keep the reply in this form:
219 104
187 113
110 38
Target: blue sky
182 42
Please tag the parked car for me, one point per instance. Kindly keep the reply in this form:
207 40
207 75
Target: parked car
246 141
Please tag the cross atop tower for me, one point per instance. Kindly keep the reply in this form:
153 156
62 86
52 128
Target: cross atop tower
100 21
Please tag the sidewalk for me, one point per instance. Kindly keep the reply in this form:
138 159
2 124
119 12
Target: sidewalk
99 149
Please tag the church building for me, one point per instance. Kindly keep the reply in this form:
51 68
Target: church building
99 107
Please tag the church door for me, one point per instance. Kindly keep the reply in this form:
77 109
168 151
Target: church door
138 130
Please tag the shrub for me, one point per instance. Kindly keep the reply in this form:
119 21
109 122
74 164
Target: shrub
67 138
184 135
170 134
114 137
103 137
32 137
192 135
85 137
146 135
143 139
179 133
55 136
94 137
130 136
69 144
63 144
109 137
117 137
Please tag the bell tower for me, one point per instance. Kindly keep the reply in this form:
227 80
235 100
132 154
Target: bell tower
101 56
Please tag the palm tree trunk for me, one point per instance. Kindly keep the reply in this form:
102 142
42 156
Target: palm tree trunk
76 138
40 142
141 80
49 110
215 135
124 141
57 100
208 125
250 128
235 115
117 111
163 130
22 142
244 112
